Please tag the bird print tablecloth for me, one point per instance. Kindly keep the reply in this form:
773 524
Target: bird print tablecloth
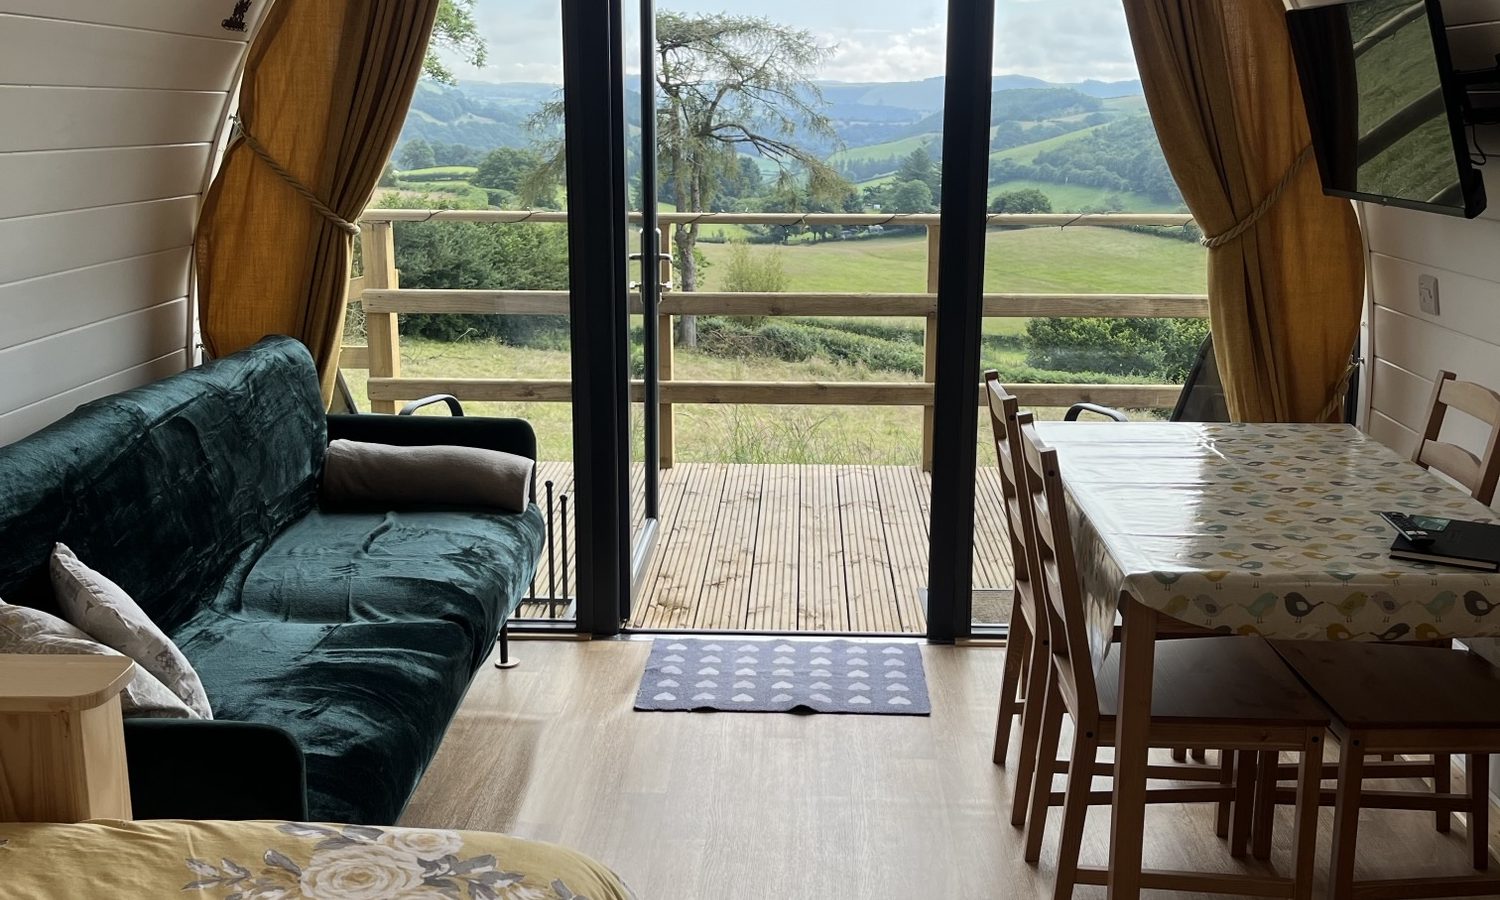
1262 529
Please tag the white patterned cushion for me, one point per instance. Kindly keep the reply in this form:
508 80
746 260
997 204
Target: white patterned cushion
31 631
107 614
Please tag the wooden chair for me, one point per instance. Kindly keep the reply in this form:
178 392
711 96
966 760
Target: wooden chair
1024 665
1477 474
1230 693
1391 698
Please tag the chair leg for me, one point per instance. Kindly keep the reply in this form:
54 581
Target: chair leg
1346 815
1200 754
1442 783
1075 811
1179 754
1037 676
1017 650
1309 797
1225 807
1041 782
1265 804
1477 768
1244 802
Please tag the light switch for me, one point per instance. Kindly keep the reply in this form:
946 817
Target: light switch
1427 294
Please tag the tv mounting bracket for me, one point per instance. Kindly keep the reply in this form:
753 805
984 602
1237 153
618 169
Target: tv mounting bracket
1481 80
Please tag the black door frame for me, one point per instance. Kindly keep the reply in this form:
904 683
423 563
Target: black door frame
593 76
593 101
960 317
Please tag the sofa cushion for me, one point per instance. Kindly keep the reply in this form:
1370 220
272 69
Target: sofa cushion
24 630
99 608
368 703
470 569
165 486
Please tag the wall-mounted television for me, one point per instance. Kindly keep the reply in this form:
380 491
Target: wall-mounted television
1386 107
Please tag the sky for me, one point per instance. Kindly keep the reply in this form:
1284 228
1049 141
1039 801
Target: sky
875 40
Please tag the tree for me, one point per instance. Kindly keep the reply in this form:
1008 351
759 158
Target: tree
725 83
1028 200
728 82
911 197
416 154
454 30
918 166
387 175
504 168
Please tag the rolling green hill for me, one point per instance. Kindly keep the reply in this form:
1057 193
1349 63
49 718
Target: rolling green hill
1027 153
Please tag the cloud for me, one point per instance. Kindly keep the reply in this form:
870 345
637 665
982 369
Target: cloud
877 40
1063 40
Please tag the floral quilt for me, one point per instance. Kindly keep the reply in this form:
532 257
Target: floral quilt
287 860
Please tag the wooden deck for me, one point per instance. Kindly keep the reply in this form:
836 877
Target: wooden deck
789 548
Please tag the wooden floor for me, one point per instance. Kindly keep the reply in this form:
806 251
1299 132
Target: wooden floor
740 806
789 548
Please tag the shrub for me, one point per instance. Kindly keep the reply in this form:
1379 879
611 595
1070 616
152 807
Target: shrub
1151 348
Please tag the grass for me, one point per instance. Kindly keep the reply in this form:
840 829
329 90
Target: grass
1078 197
1041 260
436 173
803 435
794 434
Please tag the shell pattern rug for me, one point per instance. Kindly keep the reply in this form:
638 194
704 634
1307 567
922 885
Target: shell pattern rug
748 675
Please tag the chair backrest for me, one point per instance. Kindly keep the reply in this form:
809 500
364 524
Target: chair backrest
1478 474
1005 424
1056 580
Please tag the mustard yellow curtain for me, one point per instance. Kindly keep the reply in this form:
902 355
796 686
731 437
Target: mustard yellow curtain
1285 295
326 90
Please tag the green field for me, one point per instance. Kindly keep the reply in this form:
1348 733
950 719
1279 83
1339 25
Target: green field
897 149
1077 197
440 173
1044 260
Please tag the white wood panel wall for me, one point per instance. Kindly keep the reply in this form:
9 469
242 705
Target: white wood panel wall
109 113
1408 346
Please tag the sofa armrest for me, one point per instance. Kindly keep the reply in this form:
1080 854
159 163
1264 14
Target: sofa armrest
485 432
214 769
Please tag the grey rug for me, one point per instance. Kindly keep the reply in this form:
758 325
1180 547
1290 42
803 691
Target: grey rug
736 674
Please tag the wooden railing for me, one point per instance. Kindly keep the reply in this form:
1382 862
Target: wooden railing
384 299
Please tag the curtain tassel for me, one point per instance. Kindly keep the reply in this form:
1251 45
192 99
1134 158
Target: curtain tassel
302 190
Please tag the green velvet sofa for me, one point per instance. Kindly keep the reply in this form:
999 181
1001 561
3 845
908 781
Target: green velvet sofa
335 645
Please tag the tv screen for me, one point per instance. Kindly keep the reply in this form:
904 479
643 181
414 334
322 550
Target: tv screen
1385 106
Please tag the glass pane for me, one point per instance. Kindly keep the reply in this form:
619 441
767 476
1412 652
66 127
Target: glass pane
486 137
1070 134
796 499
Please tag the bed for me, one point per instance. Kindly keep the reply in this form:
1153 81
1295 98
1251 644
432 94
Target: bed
146 860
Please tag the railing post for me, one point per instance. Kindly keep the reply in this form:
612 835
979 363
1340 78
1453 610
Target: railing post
929 343
378 247
667 434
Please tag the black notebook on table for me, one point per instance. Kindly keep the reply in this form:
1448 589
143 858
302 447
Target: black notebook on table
1453 542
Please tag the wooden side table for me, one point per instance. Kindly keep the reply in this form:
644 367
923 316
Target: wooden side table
62 740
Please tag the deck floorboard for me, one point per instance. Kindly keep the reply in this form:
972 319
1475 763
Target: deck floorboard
790 547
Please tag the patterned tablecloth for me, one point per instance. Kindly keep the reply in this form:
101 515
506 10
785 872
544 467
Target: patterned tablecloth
1262 529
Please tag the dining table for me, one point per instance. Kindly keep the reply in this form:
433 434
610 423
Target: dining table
1244 529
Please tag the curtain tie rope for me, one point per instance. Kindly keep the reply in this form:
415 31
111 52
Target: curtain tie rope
302 190
1265 205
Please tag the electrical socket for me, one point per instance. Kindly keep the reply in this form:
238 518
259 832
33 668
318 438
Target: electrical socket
1427 294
